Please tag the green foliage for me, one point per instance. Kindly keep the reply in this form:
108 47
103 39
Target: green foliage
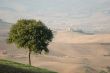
30 34
13 67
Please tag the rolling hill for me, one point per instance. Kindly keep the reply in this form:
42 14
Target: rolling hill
70 52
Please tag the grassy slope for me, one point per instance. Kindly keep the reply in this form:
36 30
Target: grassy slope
13 67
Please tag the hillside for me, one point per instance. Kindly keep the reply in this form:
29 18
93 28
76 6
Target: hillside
70 52
77 38
13 67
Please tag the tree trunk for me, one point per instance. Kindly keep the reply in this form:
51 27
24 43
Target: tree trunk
30 57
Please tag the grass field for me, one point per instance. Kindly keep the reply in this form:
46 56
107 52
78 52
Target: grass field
14 67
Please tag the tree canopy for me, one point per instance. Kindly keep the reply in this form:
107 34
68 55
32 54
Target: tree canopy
30 34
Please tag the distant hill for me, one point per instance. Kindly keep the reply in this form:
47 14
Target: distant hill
4 27
76 37
82 32
4 24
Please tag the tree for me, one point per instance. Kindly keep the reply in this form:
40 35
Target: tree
32 35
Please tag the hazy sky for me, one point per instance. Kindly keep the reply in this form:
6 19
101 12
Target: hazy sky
87 15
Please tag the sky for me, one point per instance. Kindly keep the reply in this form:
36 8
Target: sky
85 15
